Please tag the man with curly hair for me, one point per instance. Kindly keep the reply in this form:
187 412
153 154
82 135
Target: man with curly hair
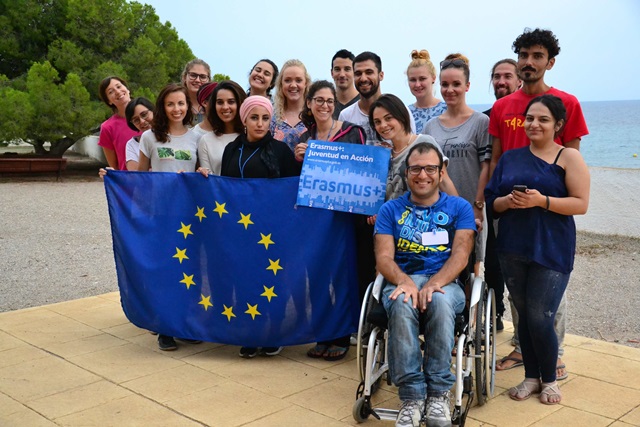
537 50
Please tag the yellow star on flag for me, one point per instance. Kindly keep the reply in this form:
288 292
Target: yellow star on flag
220 210
268 292
205 302
253 311
245 220
187 280
200 214
274 265
185 229
266 240
228 311
181 254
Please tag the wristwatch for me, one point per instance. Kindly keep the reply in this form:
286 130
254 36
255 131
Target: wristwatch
478 204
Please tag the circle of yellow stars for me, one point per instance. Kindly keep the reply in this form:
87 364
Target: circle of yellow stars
187 280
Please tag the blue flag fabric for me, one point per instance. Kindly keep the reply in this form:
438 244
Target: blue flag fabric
231 261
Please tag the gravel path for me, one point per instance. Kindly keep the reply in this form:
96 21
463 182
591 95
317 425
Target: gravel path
55 245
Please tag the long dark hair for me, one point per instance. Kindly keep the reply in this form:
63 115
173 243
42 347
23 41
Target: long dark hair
160 126
273 79
395 107
216 122
306 116
131 108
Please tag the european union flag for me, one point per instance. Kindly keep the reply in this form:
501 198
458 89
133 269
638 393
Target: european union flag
232 261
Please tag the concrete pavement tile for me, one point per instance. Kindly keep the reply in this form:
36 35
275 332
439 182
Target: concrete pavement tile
612 349
85 345
126 331
129 411
572 417
111 296
633 417
26 417
184 349
215 360
505 412
8 342
345 368
334 398
599 397
575 340
228 404
9 406
295 415
276 376
42 377
604 367
174 383
622 424
20 354
299 354
78 399
125 363
56 329
96 312
10 319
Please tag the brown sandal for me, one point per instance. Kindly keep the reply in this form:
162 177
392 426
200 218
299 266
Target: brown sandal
525 389
550 390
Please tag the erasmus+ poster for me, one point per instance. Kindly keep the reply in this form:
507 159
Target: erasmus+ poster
344 177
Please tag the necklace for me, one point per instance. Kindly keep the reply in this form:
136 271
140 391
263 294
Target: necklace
333 123
396 152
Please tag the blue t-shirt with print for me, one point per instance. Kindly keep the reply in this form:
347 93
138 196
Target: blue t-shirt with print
423 115
407 223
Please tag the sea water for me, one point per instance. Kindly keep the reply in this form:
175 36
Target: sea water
614 133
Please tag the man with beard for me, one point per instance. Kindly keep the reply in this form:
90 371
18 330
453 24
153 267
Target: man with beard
536 52
342 74
504 79
368 75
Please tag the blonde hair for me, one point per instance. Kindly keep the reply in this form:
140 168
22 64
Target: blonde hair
280 104
422 58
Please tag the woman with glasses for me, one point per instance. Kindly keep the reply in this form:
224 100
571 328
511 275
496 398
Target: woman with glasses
114 132
195 74
463 135
421 75
292 87
224 115
262 78
317 116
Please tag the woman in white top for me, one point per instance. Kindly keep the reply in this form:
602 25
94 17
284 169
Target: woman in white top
170 146
223 114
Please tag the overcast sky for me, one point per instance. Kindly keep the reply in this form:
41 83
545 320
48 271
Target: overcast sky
599 41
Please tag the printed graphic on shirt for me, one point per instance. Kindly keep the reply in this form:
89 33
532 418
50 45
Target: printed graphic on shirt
166 153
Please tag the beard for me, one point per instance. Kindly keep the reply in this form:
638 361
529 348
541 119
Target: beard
368 93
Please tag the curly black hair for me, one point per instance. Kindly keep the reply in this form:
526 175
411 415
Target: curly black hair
537 37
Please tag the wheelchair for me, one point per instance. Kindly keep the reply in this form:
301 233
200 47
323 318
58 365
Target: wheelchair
475 352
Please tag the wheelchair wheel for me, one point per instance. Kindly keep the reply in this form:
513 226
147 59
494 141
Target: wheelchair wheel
361 410
478 342
490 344
364 329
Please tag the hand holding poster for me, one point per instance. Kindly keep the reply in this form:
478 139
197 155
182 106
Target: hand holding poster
344 177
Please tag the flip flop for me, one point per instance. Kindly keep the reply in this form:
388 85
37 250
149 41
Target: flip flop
335 353
318 351
565 375
511 359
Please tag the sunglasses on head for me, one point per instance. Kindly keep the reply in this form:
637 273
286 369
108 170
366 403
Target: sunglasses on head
452 63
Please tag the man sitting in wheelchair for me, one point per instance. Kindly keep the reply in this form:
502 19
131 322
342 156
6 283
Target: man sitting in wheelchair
422 242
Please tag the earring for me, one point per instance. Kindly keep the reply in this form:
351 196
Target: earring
245 130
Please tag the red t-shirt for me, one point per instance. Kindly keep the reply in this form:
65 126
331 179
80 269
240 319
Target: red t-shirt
507 119
114 135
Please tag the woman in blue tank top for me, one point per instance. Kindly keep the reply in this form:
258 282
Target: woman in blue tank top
535 191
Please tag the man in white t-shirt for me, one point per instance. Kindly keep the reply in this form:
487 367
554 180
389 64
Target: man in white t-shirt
368 74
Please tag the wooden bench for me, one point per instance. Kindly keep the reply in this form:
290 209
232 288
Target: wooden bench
22 164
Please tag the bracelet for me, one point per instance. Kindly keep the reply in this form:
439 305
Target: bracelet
547 209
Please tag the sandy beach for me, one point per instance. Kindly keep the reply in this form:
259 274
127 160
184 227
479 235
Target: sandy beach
55 245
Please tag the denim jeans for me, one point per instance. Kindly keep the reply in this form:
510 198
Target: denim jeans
559 325
413 373
536 292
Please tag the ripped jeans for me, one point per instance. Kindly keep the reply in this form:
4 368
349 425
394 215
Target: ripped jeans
536 293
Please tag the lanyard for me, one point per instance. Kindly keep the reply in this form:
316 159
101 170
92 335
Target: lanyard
242 165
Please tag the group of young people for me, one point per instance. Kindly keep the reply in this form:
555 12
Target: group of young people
518 165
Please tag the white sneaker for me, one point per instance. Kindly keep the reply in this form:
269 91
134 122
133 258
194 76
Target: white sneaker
439 411
410 413
353 340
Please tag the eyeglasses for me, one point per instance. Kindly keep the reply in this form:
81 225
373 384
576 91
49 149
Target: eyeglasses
429 169
458 63
202 77
143 116
321 101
